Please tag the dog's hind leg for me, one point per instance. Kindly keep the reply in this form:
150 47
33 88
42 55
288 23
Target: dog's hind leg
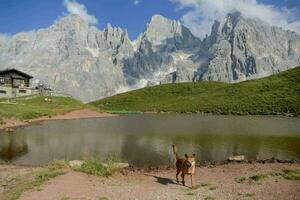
178 171
183 182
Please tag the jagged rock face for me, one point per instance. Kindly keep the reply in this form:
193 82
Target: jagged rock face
77 59
163 48
71 57
242 49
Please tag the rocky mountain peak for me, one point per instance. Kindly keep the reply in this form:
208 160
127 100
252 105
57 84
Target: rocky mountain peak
115 31
222 29
233 18
70 22
246 48
158 20
90 64
161 28
168 34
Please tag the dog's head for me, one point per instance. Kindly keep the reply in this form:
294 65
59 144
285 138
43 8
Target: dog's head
190 160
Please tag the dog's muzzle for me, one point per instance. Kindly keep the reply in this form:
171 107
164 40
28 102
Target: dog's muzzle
188 164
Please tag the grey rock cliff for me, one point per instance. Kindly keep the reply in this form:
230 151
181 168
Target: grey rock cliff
240 49
77 59
165 47
71 57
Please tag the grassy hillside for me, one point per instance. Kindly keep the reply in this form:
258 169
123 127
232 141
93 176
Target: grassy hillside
277 94
34 107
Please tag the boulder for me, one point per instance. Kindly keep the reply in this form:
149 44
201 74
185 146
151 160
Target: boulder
75 163
237 158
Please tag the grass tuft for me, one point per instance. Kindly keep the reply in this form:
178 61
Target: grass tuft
195 187
103 198
45 176
213 188
241 179
249 194
258 177
291 174
24 184
209 198
205 184
59 165
95 167
190 193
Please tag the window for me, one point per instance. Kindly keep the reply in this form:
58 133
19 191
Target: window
16 82
2 80
22 91
2 92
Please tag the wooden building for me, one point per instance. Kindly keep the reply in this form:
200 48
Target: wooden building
14 78
14 83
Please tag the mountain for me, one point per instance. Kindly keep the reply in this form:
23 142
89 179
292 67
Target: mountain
77 59
163 48
71 57
239 49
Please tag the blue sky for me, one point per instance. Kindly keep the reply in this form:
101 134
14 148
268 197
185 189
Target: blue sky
25 15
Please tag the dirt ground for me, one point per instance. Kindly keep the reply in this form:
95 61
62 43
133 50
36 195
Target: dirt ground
214 182
78 114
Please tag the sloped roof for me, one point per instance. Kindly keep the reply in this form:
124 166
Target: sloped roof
16 71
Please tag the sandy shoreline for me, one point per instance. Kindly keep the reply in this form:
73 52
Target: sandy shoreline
213 182
77 114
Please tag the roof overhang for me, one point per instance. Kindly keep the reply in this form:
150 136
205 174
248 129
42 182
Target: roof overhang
16 71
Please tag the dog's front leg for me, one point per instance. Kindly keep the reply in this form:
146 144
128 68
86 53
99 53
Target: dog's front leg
192 180
178 171
183 182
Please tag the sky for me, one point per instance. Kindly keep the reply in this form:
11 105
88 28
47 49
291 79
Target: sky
133 15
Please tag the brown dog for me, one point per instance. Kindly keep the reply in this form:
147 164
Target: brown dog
185 165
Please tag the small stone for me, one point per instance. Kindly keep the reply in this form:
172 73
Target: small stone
10 130
122 165
75 163
237 158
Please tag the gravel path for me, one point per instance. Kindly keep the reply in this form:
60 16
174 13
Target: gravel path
216 182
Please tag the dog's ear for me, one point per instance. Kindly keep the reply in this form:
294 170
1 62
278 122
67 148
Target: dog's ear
186 156
194 155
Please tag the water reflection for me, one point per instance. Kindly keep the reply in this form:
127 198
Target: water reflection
13 146
145 140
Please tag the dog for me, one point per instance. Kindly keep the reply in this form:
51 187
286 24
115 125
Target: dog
186 166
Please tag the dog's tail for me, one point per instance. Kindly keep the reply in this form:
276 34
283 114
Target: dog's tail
175 151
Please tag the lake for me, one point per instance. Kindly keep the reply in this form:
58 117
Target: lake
146 139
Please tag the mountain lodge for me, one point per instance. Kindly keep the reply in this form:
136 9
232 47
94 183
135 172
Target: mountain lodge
15 83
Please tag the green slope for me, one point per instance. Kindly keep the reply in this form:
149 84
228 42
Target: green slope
277 94
35 106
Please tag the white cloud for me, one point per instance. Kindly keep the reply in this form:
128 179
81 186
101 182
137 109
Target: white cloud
136 2
5 35
76 8
201 14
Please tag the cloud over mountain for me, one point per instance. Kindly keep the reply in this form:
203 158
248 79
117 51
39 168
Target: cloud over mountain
201 14
76 8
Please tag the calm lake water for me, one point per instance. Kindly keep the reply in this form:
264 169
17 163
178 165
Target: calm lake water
145 140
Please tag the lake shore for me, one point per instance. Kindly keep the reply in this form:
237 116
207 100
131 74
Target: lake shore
11 123
227 181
